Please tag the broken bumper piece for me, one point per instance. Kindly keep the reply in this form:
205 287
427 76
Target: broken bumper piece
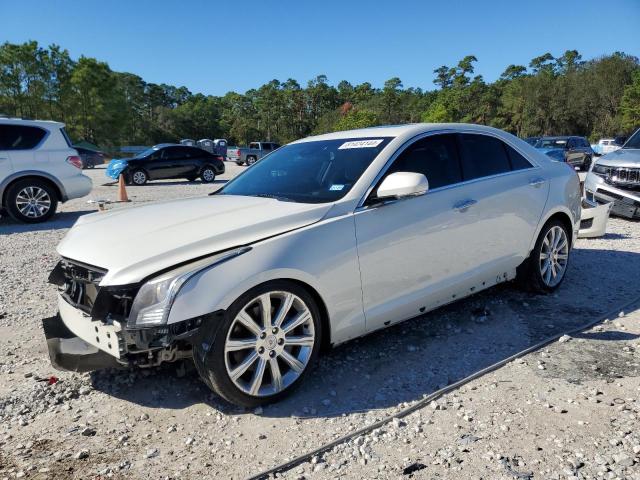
593 219
69 352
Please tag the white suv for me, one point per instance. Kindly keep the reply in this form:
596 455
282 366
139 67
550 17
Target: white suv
38 169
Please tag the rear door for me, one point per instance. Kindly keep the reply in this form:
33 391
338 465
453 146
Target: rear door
18 148
507 194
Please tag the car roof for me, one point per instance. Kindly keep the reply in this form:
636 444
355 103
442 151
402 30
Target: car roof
163 145
401 131
31 123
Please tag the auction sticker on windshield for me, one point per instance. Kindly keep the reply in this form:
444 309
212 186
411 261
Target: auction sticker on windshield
360 144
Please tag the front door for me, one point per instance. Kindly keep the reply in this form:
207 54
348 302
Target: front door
413 250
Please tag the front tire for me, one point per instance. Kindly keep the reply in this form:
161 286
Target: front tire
139 177
265 345
31 201
586 164
545 269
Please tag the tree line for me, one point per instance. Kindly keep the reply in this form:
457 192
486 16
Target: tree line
551 95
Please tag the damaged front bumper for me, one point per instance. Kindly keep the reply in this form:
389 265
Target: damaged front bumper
67 351
593 219
79 343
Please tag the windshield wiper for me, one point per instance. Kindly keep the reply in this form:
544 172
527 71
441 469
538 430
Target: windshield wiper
271 195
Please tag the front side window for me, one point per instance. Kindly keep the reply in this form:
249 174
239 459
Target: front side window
482 156
20 137
435 157
309 172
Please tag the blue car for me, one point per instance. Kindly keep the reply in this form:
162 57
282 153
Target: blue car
556 153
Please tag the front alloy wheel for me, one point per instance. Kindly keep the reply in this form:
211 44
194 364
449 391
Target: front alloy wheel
264 347
139 177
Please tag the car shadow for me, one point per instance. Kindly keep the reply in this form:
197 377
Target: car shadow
58 221
408 361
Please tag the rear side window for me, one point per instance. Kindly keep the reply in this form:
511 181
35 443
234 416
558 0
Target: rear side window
435 157
518 162
482 156
20 137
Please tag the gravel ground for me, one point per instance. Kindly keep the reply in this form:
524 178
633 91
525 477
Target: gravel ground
568 411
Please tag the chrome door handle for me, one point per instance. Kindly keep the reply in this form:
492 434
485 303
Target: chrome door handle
464 205
537 182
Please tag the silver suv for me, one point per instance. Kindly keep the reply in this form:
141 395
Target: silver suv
38 169
615 177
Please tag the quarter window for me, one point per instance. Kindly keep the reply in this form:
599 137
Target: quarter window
482 156
435 157
518 162
20 137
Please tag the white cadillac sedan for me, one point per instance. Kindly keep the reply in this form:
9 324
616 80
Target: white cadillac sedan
324 240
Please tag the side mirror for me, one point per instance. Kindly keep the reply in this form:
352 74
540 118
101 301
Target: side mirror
403 184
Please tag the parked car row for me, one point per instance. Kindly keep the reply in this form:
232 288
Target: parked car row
576 151
168 161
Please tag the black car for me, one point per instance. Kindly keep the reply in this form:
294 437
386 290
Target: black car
173 161
577 150
90 158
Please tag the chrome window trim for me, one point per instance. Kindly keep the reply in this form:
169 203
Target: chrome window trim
534 165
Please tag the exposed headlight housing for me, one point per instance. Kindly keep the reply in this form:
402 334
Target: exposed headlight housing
153 301
600 169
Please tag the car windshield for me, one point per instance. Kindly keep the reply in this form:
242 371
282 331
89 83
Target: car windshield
309 172
145 153
551 143
634 141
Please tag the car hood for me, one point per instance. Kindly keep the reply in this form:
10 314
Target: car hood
133 243
624 157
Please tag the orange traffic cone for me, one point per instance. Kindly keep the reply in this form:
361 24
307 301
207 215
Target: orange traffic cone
122 191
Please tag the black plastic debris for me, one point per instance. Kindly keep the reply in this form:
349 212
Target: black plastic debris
414 467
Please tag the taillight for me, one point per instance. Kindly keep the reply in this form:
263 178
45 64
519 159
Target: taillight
75 161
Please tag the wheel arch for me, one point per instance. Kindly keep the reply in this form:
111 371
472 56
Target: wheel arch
324 312
41 176
561 214
188 306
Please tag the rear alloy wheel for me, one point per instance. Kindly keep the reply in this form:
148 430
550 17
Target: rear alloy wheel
546 267
208 175
31 201
139 177
268 341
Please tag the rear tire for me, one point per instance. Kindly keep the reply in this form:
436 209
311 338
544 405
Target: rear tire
272 359
546 267
586 164
31 201
208 174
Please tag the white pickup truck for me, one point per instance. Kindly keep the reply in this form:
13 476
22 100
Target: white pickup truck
253 153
